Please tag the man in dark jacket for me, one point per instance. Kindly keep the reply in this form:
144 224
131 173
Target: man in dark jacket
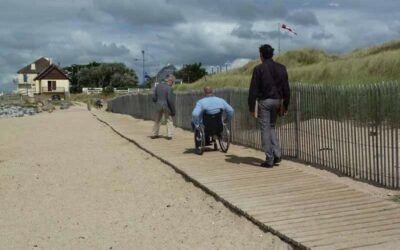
269 89
164 99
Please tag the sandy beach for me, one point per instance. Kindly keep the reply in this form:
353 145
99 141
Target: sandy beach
68 182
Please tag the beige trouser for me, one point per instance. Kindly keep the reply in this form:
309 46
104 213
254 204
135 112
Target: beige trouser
157 121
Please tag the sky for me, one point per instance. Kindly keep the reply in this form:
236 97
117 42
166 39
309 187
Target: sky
213 32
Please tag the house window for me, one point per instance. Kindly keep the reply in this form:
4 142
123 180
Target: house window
25 78
51 85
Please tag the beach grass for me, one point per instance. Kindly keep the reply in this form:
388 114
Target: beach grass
361 66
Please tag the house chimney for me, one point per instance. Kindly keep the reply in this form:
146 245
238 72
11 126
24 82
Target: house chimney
33 66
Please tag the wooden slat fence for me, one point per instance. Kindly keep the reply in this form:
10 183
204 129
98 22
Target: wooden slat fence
353 130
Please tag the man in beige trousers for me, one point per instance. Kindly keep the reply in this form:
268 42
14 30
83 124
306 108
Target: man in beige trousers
164 100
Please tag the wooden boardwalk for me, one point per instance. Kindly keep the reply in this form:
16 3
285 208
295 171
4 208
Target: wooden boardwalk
305 209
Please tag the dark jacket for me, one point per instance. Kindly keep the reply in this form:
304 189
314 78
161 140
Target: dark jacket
269 81
164 98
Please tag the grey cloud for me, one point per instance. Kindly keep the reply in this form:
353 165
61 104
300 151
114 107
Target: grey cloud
190 47
371 5
171 30
303 17
10 63
21 40
333 4
274 35
236 10
321 35
76 53
95 16
39 12
395 26
194 47
245 31
13 60
108 50
157 13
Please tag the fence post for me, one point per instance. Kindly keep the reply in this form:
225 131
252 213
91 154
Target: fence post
297 123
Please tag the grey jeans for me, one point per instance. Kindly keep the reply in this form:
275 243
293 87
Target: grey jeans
267 115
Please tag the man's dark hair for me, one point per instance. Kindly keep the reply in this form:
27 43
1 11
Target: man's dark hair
266 51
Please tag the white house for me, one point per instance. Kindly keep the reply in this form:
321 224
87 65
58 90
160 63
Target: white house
43 78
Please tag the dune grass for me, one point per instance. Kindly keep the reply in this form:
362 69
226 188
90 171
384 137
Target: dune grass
361 66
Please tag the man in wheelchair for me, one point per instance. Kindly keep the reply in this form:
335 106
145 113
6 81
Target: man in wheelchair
208 121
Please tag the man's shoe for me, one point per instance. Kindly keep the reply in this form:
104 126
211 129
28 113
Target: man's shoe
154 136
265 164
277 160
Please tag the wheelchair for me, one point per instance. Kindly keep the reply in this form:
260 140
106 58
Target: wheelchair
212 130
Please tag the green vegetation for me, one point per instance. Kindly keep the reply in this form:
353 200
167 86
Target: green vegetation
85 98
112 75
361 66
73 72
191 72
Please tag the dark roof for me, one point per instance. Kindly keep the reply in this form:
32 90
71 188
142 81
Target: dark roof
52 72
40 65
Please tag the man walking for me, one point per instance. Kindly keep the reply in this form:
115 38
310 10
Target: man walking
269 88
163 97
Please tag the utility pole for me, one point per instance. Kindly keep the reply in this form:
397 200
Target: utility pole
279 38
143 65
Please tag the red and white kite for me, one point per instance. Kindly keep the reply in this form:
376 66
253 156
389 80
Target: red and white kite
284 26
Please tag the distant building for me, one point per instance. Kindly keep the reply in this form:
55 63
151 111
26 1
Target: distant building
165 71
42 77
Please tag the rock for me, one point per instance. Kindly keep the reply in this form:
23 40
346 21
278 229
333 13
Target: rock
15 111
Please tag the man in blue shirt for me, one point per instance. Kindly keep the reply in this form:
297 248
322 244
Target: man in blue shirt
210 104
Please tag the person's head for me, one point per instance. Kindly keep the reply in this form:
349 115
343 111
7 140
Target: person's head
208 91
266 52
170 79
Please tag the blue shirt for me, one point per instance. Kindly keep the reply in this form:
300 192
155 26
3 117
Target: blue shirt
211 105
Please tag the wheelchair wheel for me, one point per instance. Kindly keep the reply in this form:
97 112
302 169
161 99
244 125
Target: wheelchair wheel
224 139
199 141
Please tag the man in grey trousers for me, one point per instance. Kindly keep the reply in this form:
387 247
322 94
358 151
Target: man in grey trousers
164 100
269 88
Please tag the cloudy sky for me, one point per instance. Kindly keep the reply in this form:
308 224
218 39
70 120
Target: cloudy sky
213 32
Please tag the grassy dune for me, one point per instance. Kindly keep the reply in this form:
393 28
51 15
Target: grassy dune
361 66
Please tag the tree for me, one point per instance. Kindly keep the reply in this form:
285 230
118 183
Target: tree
191 72
73 74
121 80
113 75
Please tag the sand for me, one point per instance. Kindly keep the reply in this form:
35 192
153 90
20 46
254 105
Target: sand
68 182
